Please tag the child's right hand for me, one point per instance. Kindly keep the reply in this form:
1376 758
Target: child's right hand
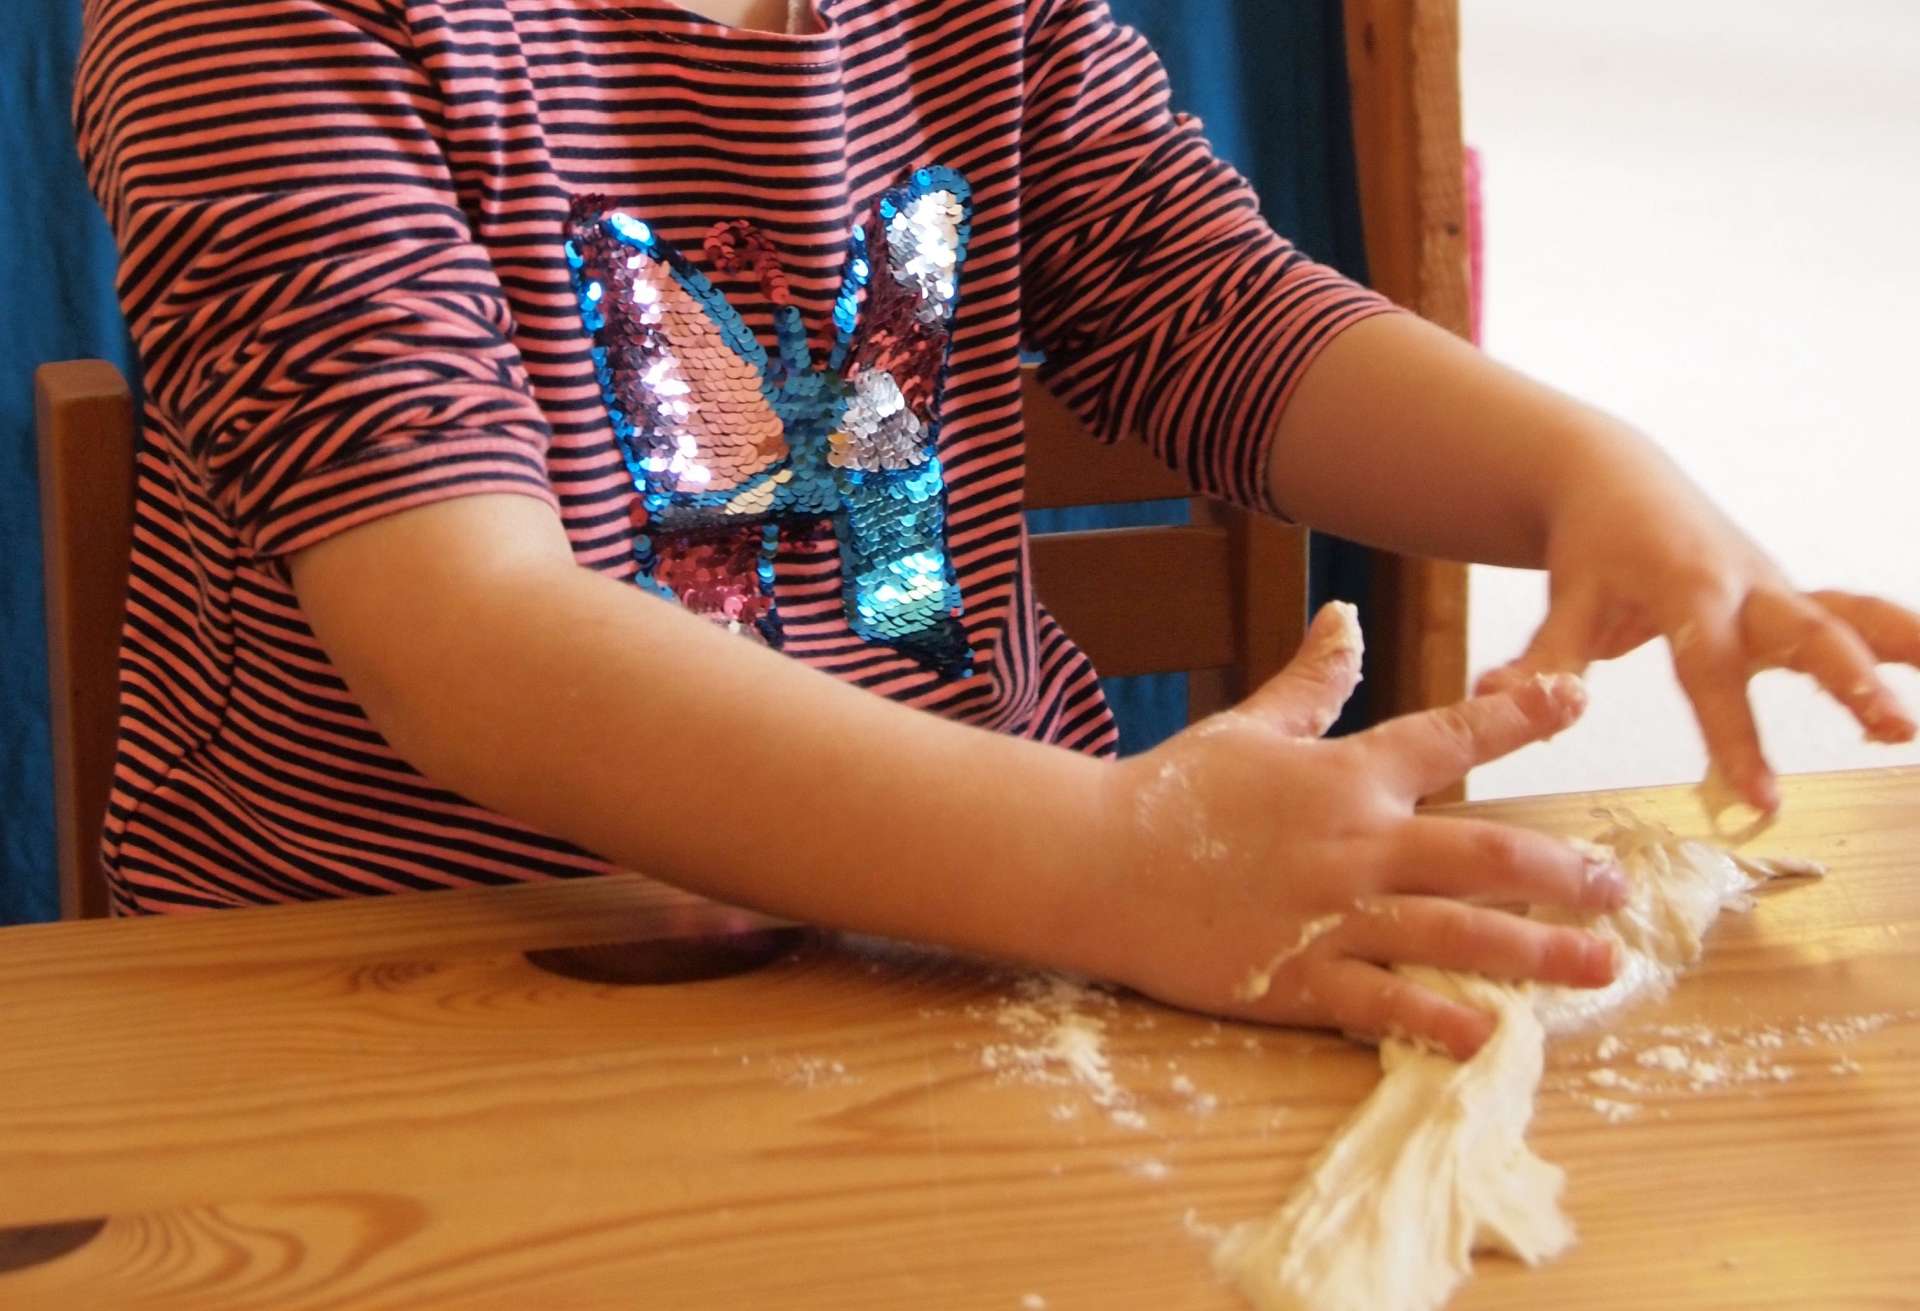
1250 833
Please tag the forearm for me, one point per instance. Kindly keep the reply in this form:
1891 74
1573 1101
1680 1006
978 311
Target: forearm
1404 437
575 703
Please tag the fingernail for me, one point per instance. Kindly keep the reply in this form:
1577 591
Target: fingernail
1606 882
1887 722
1764 792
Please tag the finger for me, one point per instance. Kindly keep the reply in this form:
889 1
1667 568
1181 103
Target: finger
1561 645
1423 753
1471 859
1891 631
1783 630
1712 668
1305 698
1367 1000
1451 935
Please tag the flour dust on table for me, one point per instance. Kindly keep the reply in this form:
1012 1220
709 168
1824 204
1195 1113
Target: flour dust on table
1434 1165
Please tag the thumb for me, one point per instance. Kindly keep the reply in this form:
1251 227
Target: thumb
1305 698
1561 645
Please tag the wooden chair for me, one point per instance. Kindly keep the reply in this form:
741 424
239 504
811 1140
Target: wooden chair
84 414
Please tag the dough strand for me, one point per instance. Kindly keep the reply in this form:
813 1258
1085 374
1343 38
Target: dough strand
1434 1165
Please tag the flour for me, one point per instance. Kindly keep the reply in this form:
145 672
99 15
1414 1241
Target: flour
1697 1057
1614 1111
1612 1080
812 1071
1854 1026
1059 1039
1664 1057
1197 1102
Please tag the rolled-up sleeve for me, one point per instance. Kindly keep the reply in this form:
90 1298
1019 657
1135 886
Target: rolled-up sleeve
317 329
1165 306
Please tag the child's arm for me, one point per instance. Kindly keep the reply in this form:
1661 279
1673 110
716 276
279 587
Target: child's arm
501 669
1167 309
1402 436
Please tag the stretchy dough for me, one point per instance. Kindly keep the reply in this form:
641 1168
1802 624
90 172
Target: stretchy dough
1434 1166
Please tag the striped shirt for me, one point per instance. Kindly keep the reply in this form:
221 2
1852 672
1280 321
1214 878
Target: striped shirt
341 227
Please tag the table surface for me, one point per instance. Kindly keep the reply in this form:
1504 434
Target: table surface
383 1104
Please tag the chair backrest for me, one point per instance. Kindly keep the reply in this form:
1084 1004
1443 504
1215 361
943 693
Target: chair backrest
84 414
1223 599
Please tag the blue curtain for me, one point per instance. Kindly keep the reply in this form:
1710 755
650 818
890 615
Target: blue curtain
1267 77
57 303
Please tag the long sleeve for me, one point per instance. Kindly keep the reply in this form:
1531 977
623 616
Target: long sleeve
1164 305
318 331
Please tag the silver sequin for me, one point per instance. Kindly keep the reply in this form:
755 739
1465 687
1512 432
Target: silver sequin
878 430
923 239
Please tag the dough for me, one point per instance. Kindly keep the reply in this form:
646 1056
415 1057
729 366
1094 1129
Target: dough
1720 800
1260 981
1434 1165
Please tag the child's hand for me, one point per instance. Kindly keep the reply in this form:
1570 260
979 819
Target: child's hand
1257 844
1639 552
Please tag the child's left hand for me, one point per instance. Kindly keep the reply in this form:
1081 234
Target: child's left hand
1640 552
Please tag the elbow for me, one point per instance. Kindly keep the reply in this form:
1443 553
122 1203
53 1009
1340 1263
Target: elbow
438 622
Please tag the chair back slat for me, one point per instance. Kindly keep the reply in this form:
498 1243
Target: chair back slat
1099 583
84 416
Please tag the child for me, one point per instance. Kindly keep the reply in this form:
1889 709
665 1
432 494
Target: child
564 418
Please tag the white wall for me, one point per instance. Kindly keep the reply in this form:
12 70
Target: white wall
1704 216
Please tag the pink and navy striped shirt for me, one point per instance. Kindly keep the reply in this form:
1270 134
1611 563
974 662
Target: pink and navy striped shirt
342 227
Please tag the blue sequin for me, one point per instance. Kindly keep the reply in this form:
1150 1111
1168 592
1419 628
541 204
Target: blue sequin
631 228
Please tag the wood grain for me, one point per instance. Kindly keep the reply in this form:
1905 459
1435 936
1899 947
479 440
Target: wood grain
381 1104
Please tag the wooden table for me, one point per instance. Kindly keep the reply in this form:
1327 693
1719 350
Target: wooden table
383 1104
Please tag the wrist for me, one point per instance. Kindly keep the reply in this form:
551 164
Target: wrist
1012 847
1593 455
1065 830
1105 857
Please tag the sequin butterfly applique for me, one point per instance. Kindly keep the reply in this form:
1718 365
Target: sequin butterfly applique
729 447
